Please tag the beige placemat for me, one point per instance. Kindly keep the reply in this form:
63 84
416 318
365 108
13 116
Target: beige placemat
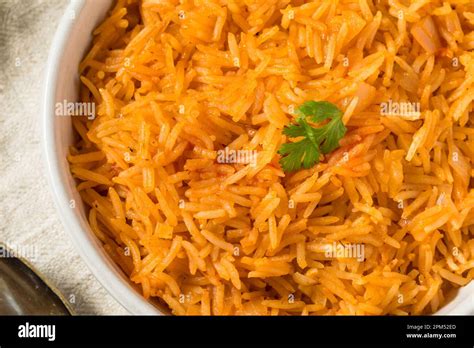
28 218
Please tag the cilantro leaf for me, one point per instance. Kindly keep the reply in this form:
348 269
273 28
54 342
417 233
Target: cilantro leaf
296 153
335 131
318 110
306 152
294 131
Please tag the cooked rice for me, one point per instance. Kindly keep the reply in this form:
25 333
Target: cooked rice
177 81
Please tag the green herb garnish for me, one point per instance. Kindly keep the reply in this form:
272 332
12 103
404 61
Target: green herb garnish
305 153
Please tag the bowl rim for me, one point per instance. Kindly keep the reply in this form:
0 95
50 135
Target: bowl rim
95 260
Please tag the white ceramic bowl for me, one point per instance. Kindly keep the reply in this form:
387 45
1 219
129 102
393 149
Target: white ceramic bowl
71 42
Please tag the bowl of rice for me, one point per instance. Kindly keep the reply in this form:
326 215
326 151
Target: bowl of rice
267 157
